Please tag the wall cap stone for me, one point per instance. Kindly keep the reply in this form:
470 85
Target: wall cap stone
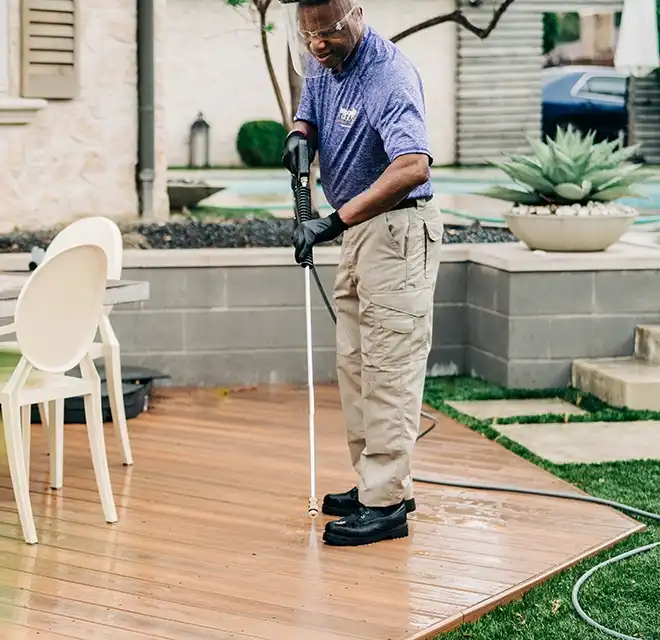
515 257
238 257
512 257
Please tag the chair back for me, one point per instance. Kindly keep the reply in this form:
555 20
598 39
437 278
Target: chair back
59 307
92 230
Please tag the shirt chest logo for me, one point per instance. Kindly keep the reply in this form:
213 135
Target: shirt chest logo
347 116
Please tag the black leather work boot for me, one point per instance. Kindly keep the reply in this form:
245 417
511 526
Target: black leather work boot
343 504
367 525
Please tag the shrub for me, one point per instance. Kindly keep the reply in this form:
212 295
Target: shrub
259 143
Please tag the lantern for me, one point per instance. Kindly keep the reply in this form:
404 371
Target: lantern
199 143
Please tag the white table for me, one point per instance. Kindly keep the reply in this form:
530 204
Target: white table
117 292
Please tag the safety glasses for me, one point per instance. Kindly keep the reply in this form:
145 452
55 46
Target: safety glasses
329 32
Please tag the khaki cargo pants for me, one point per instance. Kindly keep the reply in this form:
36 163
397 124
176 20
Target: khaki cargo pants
383 295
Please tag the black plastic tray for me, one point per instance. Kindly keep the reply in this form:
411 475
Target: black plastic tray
137 383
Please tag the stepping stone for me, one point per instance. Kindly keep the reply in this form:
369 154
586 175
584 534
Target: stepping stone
485 409
588 442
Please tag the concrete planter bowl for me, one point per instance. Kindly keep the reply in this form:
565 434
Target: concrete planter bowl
589 228
186 194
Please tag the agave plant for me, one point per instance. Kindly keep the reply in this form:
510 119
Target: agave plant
571 169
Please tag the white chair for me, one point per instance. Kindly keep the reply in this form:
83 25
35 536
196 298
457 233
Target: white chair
104 233
56 319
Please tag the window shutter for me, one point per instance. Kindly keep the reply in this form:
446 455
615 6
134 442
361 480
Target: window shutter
49 49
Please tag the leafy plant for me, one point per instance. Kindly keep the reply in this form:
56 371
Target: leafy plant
571 169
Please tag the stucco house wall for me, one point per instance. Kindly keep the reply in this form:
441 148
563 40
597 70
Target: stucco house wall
215 65
77 157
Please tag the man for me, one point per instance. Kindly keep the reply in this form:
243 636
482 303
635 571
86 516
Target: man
362 109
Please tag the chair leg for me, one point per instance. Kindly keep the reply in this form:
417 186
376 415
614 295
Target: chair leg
26 429
56 442
94 419
16 458
116 397
43 415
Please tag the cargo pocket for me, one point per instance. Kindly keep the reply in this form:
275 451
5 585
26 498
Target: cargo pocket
399 327
434 229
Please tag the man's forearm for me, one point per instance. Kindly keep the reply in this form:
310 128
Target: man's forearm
397 181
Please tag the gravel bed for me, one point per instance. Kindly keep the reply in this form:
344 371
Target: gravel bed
193 234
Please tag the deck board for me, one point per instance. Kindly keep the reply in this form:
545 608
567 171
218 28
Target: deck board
214 540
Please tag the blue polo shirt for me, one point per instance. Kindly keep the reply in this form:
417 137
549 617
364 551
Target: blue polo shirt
367 115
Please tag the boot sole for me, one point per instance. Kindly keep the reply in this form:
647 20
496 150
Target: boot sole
349 541
336 511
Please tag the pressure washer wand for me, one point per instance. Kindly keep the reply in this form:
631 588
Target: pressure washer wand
303 210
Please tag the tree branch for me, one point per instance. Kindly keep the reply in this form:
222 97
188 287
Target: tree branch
459 18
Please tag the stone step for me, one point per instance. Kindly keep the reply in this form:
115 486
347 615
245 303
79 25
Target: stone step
621 382
647 342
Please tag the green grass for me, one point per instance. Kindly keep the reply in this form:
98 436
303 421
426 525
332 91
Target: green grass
623 597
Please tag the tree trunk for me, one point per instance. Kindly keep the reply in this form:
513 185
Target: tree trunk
286 118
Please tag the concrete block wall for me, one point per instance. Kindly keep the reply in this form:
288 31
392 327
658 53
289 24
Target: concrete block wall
525 329
237 316
228 325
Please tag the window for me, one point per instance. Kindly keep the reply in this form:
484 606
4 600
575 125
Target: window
605 86
4 47
14 110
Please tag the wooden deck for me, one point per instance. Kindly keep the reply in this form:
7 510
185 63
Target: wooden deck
214 540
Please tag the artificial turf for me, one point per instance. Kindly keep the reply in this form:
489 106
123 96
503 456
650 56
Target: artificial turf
625 596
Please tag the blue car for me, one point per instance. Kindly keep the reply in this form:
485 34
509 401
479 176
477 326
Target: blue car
589 98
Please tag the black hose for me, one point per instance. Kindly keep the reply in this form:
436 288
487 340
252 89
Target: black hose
303 197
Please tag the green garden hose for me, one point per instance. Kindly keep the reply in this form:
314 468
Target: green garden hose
586 576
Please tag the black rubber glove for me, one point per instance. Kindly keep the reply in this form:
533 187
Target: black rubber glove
290 151
313 232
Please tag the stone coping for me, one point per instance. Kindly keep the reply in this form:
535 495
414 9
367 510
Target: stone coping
513 257
516 258
231 257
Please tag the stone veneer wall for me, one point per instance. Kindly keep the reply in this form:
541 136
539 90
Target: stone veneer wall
78 157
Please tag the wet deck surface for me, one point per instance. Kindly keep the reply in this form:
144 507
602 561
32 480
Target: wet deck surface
214 540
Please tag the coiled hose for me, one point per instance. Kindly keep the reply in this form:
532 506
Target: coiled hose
521 490
303 210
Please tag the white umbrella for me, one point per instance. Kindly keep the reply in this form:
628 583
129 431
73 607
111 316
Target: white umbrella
637 51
